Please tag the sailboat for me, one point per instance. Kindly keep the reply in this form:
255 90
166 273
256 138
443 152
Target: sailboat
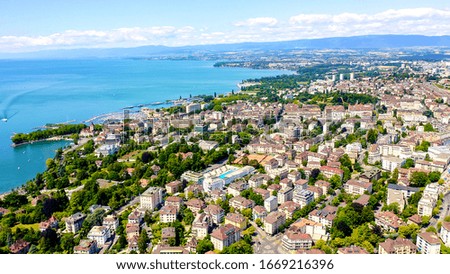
6 118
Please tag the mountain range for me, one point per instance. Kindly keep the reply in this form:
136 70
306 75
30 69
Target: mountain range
354 42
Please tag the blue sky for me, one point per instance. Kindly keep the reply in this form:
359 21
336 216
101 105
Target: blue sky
27 25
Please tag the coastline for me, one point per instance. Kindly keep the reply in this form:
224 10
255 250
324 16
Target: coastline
51 139
99 118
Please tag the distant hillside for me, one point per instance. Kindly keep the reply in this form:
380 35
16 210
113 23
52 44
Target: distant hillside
355 42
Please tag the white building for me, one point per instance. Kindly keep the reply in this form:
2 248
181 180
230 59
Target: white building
151 198
303 197
428 243
428 200
390 163
445 233
105 150
210 184
271 203
100 234
168 214
111 221
193 107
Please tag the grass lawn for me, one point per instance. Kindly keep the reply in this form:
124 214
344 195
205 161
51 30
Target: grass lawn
22 226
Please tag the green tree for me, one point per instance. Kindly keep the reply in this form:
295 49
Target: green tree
428 127
409 231
143 242
408 163
419 179
188 216
240 247
205 245
372 136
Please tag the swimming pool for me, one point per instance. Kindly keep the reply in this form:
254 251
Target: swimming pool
224 175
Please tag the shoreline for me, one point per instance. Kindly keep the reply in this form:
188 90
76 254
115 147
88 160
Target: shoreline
51 139
102 117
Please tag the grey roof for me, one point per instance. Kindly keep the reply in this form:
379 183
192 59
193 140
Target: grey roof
404 188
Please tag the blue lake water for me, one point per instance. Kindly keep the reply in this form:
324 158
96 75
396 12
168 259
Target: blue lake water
36 92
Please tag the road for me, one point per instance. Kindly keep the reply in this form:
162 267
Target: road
266 244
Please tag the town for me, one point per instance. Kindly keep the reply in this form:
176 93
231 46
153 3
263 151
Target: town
346 158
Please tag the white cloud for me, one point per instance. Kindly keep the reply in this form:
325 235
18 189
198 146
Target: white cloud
258 21
425 21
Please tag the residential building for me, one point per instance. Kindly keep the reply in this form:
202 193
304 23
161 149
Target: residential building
132 230
20 247
168 214
285 195
295 240
224 236
151 198
288 208
444 233
174 201
195 205
390 163
86 246
428 243
52 222
324 216
192 176
362 200
215 213
317 230
397 246
399 194
352 250
241 203
271 204
74 222
236 219
273 221
258 179
388 221
194 190
100 234
259 212
174 187
303 197
168 234
135 217
357 187
111 221
200 225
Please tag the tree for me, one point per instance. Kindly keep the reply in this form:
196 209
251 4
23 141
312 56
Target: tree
188 216
419 179
67 242
394 207
240 247
143 241
428 127
205 245
335 181
408 163
409 231
260 223
434 176
372 136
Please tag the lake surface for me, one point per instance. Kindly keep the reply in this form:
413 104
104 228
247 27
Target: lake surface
36 92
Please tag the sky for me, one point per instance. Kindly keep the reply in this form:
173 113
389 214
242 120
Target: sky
32 25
